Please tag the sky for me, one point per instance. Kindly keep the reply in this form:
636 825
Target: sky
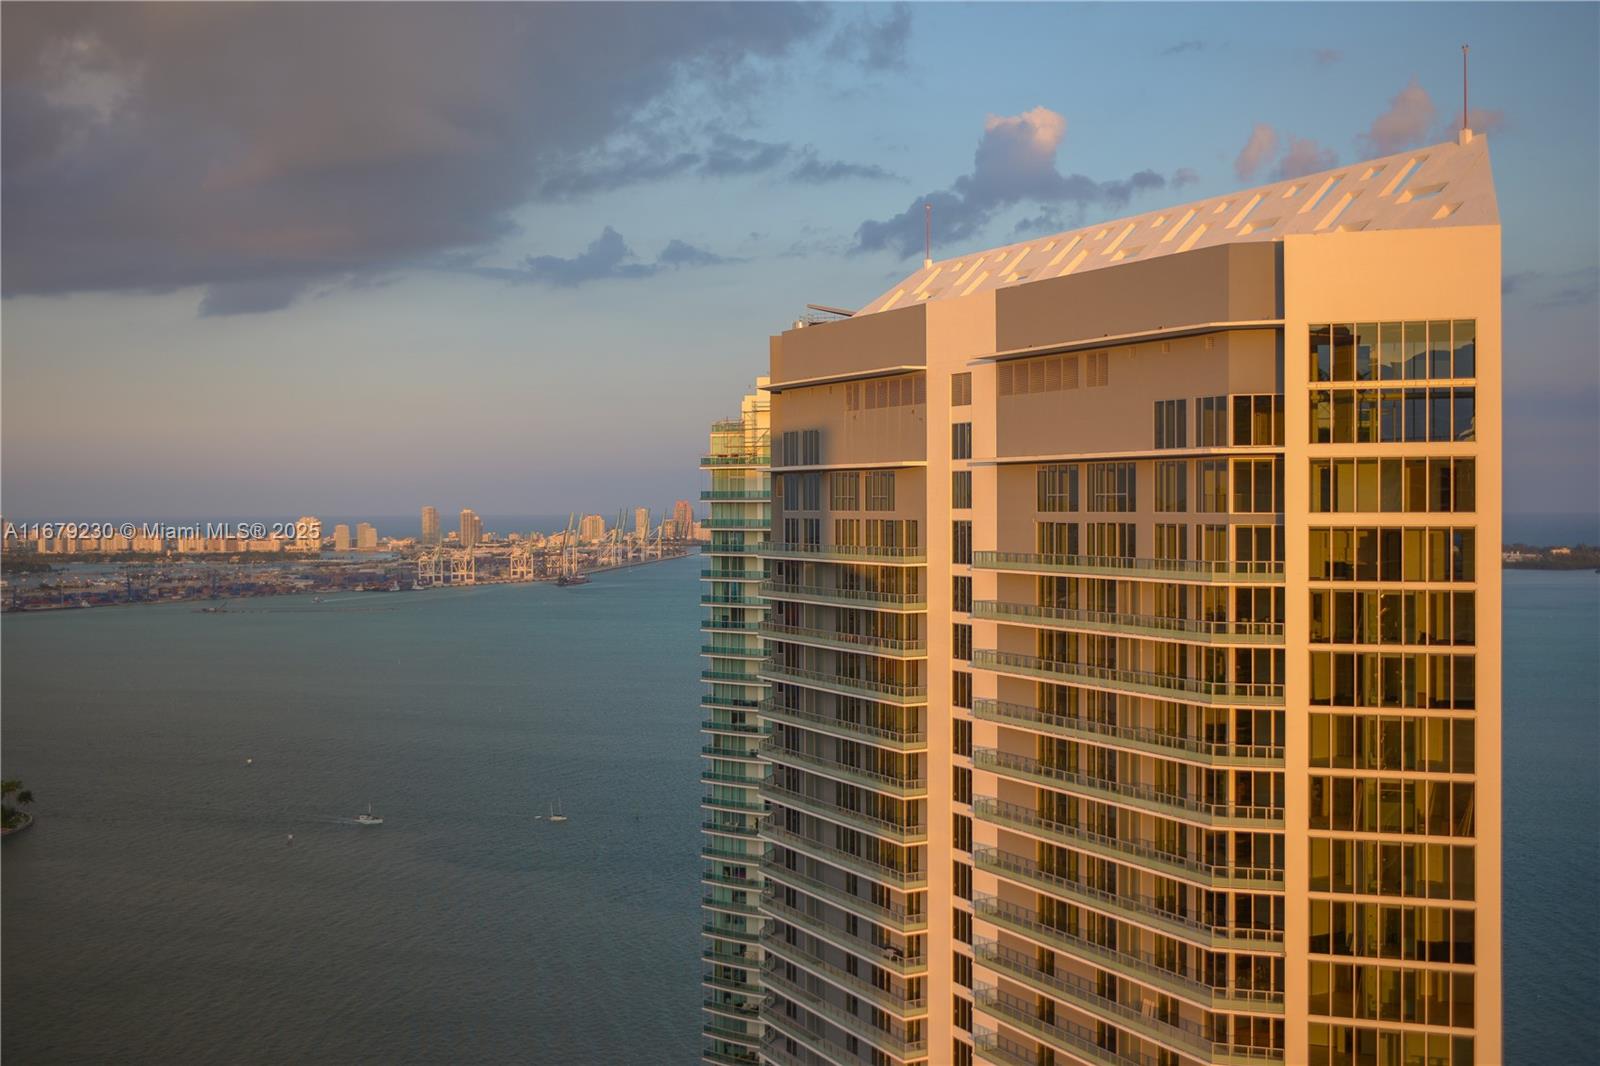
359 258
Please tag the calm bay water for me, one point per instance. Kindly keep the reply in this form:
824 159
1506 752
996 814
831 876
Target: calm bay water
156 913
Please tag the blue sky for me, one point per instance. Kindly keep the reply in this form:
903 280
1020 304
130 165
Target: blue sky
291 260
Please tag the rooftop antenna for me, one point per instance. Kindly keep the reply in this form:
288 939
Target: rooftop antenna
927 235
1466 133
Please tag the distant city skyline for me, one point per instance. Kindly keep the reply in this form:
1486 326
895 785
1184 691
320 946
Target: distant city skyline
543 308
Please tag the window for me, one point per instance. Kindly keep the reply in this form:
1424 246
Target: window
961 832
962 785
1112 487
962 873
963 970
1212 428
802 447
961 691
1394 351
961 440
1409 486
1258 421
1099 369
961 489
963 1006
905 390
1387 416
962 924
961 641
1172 430
1058 487
845 491
880 490
1211 486
961 542
1050 373
1257 486
811 492
1172 486
1114 540
960 390
962 738
961 592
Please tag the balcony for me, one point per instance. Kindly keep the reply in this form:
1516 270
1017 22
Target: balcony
737 459
1181 570
893 739
819 1049
710 600
1132 850
848 553
719 495
732 677
736 522
888 647
1141 966
732 575
723 906
718 803
881 955
896 1003
879 827
905 693
894 1040
720 625
1082 993
1143 797
714 702
711 751
746 729
892 876
1116 679
1192 630
1076 1040
878 601
1130 907
890 917
731 829
904 787
1136 738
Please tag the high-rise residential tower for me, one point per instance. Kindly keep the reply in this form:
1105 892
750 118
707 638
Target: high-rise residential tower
641 524
430 527
592 527
471 529
733 770
683 519
341 538
1134 614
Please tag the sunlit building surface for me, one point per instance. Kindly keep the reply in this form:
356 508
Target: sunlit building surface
732 768
1133 609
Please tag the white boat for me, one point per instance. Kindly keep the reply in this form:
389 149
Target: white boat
555 812
369 818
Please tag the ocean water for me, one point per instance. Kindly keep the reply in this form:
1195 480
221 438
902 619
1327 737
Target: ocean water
157 915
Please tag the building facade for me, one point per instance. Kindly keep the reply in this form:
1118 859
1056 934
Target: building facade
366 537
341 538
1133 604
430 527
733 770
470 529
592 527
641 524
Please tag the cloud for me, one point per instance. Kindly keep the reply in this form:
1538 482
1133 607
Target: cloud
1304 156
1184 176
814 171
1183 46
1327 56
1015 163
1261 146
1405 124
1482 120
1563 288
607 258
149 148
876 44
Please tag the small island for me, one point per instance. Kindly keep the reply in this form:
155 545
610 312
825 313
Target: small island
1561 557
13 796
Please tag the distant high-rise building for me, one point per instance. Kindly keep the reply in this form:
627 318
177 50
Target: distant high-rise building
593 527
308 534
430 527
471 528
366 537
682 517
1133 649
641 523
341 538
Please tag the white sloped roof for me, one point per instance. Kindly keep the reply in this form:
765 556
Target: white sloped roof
1443 185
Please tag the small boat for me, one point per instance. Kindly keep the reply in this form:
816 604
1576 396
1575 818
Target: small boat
369 818
555 812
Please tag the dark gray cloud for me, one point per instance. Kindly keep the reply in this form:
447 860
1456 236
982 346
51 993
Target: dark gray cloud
1327 56
1182 47
1015 163
716 154
1549 289
607 258
1184 176
812 170
260 148
878 44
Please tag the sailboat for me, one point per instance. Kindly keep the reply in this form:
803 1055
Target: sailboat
369 818
555 812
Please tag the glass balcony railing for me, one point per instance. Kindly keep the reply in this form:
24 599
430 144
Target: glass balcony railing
1131 906
912 555
905 787
893 876
1140 851
1186 629
898 832
888 691
886 601
886 646
1128 566
1171 804
897 739
892 916
1155 741
1189 689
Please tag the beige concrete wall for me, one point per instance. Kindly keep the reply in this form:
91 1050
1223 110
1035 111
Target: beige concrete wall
861 437
851 345
1229 283
1387 276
